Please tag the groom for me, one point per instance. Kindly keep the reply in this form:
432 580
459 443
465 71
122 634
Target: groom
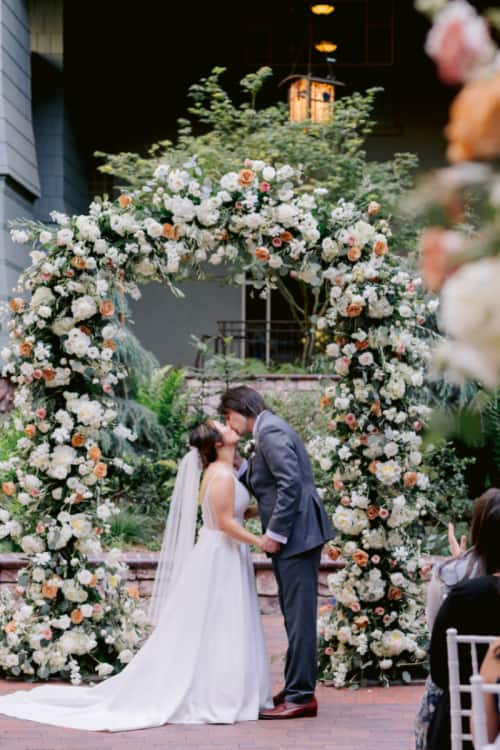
296 526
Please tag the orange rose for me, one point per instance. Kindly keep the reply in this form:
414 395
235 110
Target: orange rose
325 401
360 557
262 253
109 344
49 375
410 479
25 348
16 305
380 248
372 512
11 627
100 470
86 330
373 208
77 498
76 616
362 345
78 440
49 591
124 201
286 236
354 309
354 253
394 594
94 453
334 553
9 488
246 177
437 247
474 127
132 591
107 309
78 262
30 430
362 621
170 232
376 409
372 466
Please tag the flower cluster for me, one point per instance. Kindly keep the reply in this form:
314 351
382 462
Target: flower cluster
456 253
373 459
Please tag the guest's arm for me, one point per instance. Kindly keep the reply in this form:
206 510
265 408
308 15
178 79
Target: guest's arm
448 616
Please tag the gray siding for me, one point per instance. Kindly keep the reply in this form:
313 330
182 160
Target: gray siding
17 146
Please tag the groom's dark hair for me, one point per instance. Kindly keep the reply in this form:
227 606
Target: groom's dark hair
246 401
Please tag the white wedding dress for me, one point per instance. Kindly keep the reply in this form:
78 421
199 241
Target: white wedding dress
205 662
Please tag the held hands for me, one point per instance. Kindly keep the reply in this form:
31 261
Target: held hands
269 545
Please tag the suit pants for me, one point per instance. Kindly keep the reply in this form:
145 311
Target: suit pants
297 579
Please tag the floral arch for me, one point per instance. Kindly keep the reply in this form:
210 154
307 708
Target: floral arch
71 616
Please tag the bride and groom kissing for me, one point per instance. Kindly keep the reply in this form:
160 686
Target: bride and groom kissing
205 660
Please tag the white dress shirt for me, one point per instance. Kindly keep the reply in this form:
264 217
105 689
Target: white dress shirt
243 467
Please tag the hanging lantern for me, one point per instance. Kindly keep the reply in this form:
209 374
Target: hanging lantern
311 98
322 9
325 46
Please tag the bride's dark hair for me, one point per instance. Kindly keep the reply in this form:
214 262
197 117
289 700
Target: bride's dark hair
205 437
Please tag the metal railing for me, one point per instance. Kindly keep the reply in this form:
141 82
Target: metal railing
275 340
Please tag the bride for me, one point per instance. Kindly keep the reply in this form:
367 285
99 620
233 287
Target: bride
205 661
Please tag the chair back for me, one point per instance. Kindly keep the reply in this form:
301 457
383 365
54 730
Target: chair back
457 690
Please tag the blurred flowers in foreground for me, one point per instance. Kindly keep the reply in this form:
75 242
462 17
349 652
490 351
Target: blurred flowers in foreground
460 205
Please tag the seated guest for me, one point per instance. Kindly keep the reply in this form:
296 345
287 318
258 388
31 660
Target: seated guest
490 672
472 607
462 565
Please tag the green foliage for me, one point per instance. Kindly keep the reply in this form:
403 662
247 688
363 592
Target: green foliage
330 154
131 528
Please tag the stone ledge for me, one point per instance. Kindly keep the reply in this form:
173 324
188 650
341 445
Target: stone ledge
142 568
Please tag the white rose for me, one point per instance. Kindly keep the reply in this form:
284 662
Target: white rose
65 237
32 544
366 359
81 525
332 350
125 656
83 307
268 173
388 472
62 458
104 669
41 296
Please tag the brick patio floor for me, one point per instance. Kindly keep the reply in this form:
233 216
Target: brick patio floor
377 719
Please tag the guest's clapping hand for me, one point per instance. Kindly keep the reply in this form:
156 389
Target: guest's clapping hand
456 549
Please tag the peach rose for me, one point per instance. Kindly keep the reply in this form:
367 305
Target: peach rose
334 553
372 466
329 651
262 253
170 232
360 557
380 248
107 309
372 512
93 581
100 470
325 401
325 609
362 622
16 305
354 253
78 440
9 488
354 309
124 201
78 262
246 177
76 616
376 408
109 344
49 375
373 208
286 236
11 627
355 607
49 591
473 130
133 592
410 479
25 348
30 430
94 453
85 329
394 594
350 420
437 247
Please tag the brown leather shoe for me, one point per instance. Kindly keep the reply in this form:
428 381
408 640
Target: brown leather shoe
279 698
288 710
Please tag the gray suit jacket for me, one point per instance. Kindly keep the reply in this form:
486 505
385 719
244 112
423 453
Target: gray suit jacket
279 474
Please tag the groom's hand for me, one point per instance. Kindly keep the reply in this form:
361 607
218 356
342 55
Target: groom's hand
269 545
